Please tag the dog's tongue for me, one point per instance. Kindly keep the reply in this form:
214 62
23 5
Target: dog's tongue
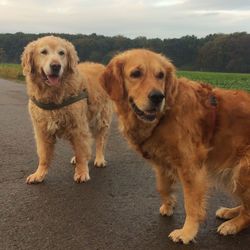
53 80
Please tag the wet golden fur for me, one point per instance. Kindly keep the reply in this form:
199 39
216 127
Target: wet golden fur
78 122
185 142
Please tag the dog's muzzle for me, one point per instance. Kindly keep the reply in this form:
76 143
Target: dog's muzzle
156 97
53 77
148 116
55 69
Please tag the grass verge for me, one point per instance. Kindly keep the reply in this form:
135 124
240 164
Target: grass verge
11 71
223 80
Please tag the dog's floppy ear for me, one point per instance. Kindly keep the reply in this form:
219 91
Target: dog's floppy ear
27 59
171 82
112 79
73 58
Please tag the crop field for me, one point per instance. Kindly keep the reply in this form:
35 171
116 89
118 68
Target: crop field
11 71
223 80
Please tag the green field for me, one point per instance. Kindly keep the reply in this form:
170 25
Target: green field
224 80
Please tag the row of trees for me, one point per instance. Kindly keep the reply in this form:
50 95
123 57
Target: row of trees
217 52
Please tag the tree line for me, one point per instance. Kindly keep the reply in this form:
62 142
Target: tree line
216 52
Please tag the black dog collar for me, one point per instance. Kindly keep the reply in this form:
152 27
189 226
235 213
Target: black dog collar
66 102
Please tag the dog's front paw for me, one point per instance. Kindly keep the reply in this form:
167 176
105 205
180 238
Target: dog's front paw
35 178
166 210
227 228
100 163
81 177
182 235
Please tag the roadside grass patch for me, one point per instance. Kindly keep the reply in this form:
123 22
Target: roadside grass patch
11 71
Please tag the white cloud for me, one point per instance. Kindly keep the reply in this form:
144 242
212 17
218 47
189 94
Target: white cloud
3 2
167 3
243 13
151 18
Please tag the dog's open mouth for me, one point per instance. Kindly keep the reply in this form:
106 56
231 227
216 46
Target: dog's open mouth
51 80
148 116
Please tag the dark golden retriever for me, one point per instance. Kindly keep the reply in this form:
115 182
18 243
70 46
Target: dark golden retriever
189 132
53 79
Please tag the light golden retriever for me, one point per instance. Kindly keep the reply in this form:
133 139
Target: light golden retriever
189 132
53 76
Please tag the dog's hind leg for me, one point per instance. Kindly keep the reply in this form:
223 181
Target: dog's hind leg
101 138
101 135
45 149
165 181
236 224
228 213
241 181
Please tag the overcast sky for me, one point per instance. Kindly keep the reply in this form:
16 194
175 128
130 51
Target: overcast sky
131 18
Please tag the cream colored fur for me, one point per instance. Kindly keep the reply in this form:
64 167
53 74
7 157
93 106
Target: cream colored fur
79 122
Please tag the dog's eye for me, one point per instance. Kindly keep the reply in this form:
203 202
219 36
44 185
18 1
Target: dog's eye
160 75
61 53
44 52
136 73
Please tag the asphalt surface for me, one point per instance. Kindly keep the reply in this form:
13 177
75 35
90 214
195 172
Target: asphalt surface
117 209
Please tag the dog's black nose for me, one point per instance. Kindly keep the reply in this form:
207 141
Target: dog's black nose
55 68
156 97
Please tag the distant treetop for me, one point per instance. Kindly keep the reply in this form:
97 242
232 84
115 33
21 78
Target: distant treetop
215 52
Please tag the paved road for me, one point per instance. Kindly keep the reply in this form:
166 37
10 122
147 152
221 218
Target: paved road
116 210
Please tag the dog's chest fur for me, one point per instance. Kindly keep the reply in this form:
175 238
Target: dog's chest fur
60 122
154 143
